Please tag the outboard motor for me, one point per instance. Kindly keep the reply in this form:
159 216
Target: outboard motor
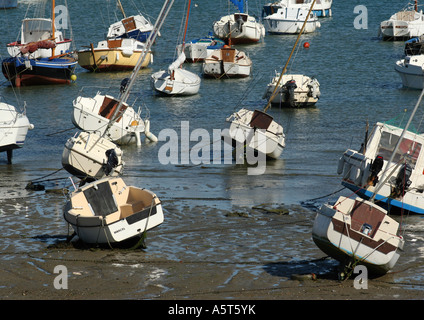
375 169
402 181
289 87
124 84
112 161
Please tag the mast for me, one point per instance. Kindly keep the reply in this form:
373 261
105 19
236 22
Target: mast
383 178
53 26
274 93
121 8
416 5
186 23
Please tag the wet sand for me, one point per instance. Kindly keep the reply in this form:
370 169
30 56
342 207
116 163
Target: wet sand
262 253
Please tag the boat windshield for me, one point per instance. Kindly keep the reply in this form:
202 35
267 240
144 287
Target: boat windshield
408 149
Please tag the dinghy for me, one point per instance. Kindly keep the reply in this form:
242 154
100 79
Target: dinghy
107 211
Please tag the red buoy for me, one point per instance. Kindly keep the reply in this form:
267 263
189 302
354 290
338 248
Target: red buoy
306 45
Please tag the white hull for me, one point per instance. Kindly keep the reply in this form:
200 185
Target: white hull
356 229
305 94
246 128
14 127
227 63
108 211
290 21
321 8
86 156
182 82
198 50
94 114
410 70
239 28
403 25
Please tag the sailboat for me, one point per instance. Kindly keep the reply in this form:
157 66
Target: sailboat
176 80
108 211
133 27
42 56
122 48
385 174
14 127
257 129
239 27
403 25
199 49
227 62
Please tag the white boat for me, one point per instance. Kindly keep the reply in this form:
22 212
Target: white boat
410 70
239 28
14 127
358 232
198 50
295 91
322 8
405 24
113 55
136 27
90 156
290 21
176 80
107 211
256 130
100 115
227 62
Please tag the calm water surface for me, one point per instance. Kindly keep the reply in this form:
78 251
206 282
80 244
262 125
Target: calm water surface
358 84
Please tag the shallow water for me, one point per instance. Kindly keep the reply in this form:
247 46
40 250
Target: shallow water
358 84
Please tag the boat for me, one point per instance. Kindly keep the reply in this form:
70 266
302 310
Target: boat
114 55
410 71
42 56
414 46
290 21
107 211
114 117
358 232
295 91
14 127
199 49
89 156
227 62
136 27
239 28
8 4
322 8
403 25
176 80
99 114
385 176
255 131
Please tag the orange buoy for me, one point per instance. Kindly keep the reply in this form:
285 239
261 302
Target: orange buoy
306 45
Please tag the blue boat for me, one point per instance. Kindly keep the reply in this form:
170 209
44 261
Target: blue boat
136 27
199 49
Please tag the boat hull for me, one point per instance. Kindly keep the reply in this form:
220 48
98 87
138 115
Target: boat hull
411 74
184 83
107 60
356 234
239 28
107 211
28 72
